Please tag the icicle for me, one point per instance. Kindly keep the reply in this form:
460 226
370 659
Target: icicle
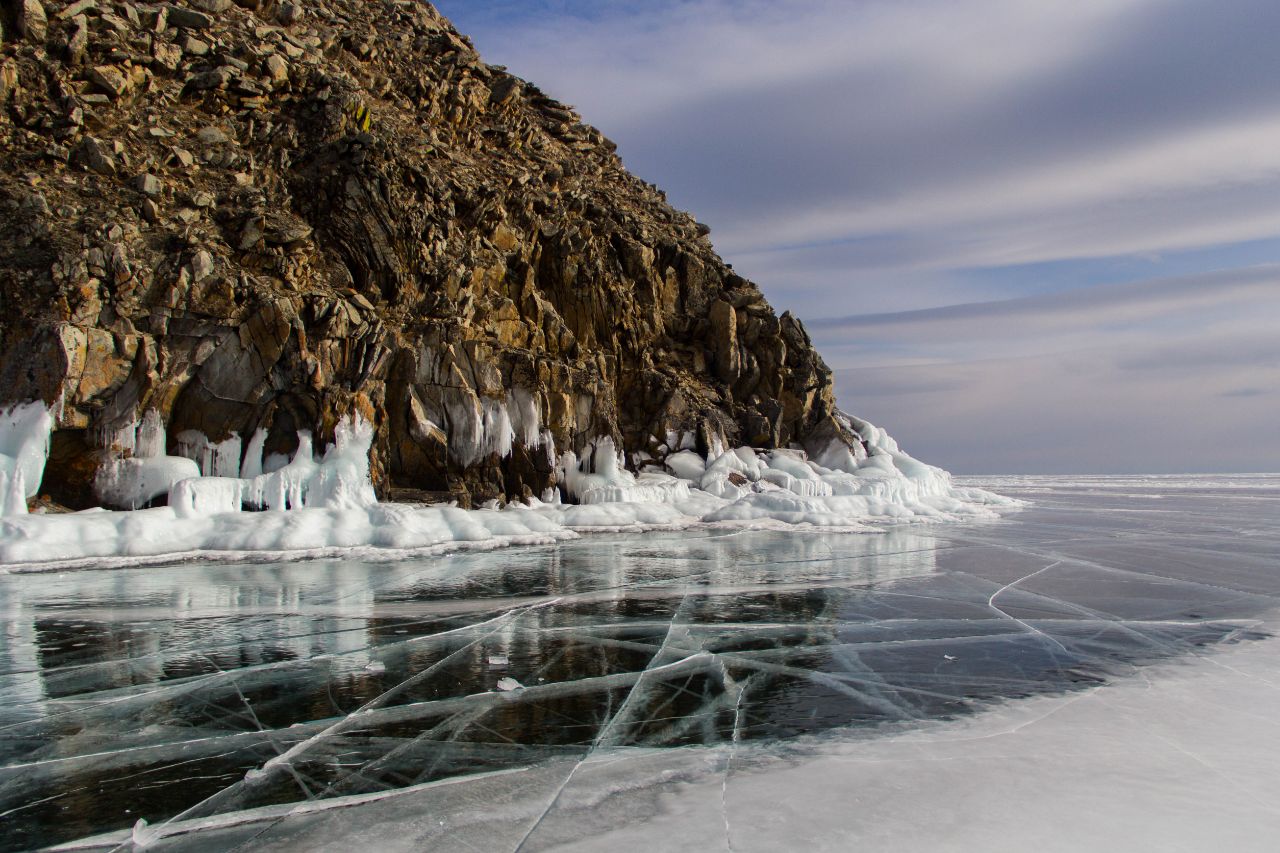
252 466
24 446
466 429
149 441
522 406
13 498
498 432
226 457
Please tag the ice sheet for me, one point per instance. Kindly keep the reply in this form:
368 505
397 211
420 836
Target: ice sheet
1095 672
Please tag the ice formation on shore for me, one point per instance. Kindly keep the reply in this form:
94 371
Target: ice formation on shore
312 507
135 481
24 446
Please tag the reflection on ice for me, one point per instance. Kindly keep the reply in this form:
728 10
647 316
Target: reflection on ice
246 701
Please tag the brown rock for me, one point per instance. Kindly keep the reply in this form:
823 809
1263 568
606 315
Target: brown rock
77 8
252 233
283 228
78 41
724 340
93 155
33 23
206 80
167 56
276 68
201 266
8 79
289 14
148 184
109 80
504 238
188 18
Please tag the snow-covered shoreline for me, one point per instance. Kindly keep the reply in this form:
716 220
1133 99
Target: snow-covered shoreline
322 508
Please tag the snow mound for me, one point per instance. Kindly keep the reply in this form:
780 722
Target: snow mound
135 482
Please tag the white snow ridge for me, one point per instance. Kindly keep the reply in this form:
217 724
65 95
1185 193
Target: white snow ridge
309 507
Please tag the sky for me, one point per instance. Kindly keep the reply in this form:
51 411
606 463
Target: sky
1028 237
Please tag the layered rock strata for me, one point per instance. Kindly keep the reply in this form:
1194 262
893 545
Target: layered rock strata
255 218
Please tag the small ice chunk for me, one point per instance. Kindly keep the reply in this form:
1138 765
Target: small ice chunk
687 465
143 835
508 684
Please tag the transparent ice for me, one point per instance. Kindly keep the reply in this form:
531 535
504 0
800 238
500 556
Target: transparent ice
1095 671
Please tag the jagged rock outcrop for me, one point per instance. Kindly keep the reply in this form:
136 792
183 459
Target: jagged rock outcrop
268 214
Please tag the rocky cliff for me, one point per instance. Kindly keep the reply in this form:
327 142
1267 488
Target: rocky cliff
257 217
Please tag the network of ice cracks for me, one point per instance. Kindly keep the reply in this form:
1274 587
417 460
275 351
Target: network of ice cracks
521 699
325 506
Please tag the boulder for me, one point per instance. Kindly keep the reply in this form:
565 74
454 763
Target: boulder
189 19
109 80
93 155
33 23
148 184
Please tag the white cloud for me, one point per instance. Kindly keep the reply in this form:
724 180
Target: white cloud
1153 194
1235 305
632 63
987 132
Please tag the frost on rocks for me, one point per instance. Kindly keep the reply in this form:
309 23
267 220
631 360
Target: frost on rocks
600 478
216 459
480 426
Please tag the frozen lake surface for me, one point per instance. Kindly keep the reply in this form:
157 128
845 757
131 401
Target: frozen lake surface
1096 671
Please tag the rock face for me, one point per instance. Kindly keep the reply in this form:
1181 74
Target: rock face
266 215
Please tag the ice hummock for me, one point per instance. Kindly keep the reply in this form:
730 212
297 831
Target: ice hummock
225 498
